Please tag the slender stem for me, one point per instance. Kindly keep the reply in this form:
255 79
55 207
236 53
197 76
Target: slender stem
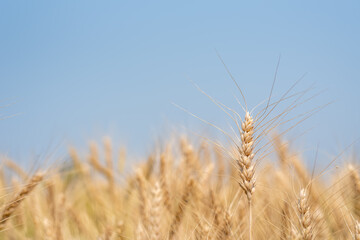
250 220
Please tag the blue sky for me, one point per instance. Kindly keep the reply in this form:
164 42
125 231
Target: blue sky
73 71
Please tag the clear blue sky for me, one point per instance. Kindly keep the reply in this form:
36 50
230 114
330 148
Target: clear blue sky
78 70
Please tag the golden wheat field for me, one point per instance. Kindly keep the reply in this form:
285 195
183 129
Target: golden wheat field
187 189
179 120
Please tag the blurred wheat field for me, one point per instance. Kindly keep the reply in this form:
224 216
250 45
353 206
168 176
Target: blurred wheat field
185 192
186 189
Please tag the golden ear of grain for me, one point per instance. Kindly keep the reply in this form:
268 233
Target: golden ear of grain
164 182
15 167
95 162
246 155
305 216
108 153
121 159
357 231
140 232
282 150
75 159
285 222
246 166
221 169
155 212
119 229
355 186
143 201
225 230
200 230
322 231
11 206
179 214
216 209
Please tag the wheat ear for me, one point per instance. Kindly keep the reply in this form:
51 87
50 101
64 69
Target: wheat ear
285 222
357 231
155 212
10 207
199 232
245 162
355 180
164 183
306 221
179 214
16 168
225 231
106 171
143 202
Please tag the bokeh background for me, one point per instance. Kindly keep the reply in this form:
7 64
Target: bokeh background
73 71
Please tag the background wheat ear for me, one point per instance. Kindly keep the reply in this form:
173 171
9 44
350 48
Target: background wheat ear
11 206
305 216
356 234
355 187
179 214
